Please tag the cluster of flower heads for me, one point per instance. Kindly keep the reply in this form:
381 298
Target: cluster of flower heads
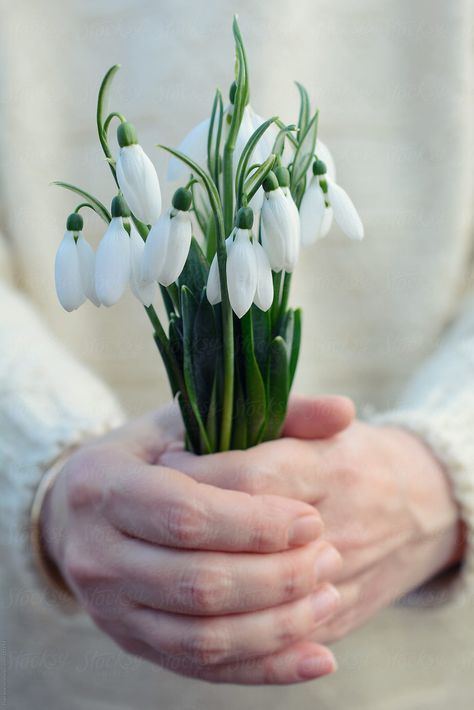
266 237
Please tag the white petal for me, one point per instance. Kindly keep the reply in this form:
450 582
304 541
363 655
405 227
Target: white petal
144 291
293 244
137 178
241 273
112 263
194 145
312 211
67 273
177 249
264 292
87 268
345 213
277 228
323 153
326 223
213 289
155 249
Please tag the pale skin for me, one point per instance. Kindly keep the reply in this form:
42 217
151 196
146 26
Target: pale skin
239 567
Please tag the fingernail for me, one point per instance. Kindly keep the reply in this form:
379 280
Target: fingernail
304 529
327 563
315 666
324 602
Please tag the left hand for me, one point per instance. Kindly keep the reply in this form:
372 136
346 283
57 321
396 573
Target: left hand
384 499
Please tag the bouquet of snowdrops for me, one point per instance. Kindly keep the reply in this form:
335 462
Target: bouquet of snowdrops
258 190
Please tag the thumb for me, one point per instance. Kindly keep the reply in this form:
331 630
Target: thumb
318 417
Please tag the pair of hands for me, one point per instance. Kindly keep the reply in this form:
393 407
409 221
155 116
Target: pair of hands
237 567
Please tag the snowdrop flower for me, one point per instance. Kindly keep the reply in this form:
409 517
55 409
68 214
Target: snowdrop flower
67 268
194 144
112 262
168 242
144 291
248 271
136 176
322 201
279 226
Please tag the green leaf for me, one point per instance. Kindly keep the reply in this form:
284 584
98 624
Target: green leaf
211 421
176 339
99 208
189 309
295 344
195 272
102 102
245 157
277 389
256 179
239 422
304 153
255 398
262 329
206 349
214 137
305 108
189 421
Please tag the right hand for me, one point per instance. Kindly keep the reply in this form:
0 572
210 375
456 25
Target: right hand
209 583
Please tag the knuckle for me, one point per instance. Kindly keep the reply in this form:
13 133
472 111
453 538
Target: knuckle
206 589
186 523
207 646
82 480
286 632
262 534
290 581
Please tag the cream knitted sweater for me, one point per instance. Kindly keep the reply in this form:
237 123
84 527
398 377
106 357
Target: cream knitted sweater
389 322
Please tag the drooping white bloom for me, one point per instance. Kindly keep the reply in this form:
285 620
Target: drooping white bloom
213 289
155 249
279 229
87 269
144 291
241 272
293 247
312 212
194 144
67 272
177 248
345 214
264 292
136 176
112 263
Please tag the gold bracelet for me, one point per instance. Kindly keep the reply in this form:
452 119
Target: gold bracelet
47 568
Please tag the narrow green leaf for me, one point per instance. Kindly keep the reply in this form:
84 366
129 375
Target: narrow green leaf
214 137
254 389
262 331
211 421
189 308
245 157
102 110
295 344
239 425
100 209
256 179
277 389
304 152
303 117
189 421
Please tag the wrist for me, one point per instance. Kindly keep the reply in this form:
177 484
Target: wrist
47 532
435 516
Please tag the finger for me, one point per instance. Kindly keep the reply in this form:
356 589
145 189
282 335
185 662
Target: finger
213 583
301 662
167 507
318 417
227 639
286 467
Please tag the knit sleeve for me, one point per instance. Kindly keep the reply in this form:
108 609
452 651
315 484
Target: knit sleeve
48 403
438 406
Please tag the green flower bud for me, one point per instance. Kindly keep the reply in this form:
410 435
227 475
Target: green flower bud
119 207
283 176
319 168
182 199
74 223
244 218
271 182
126 134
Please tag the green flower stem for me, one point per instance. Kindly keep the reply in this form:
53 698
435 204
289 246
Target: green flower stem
275 308
284 296
112 115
